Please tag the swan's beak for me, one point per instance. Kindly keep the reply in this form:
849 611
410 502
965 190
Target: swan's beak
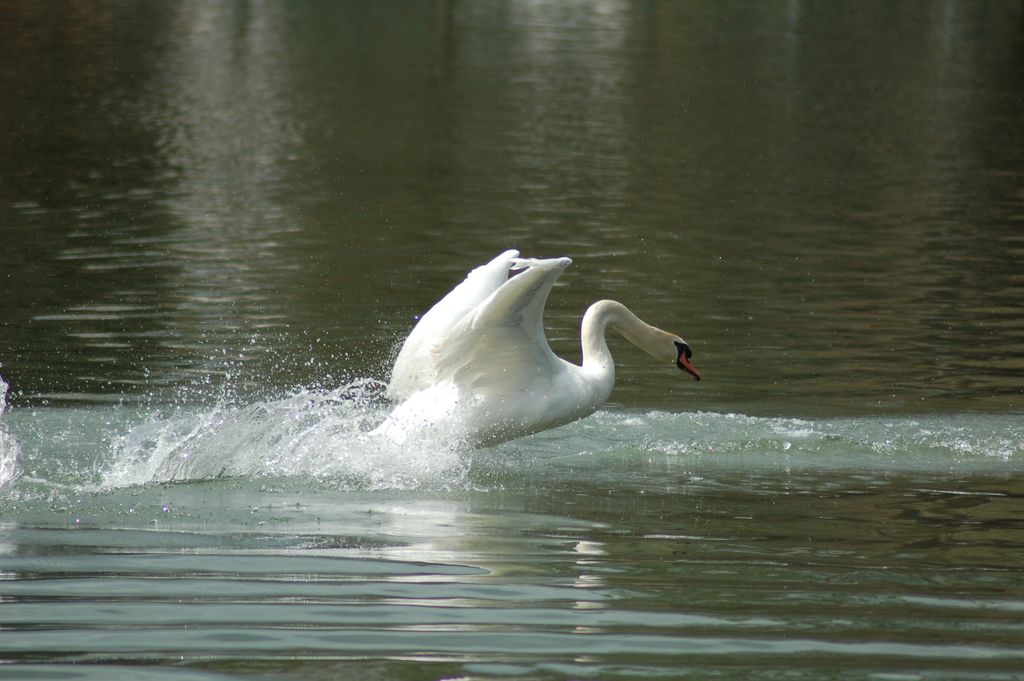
687 366
684 363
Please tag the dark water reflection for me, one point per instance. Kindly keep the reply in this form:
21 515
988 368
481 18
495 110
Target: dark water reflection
826 200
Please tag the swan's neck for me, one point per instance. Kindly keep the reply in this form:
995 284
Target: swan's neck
597 359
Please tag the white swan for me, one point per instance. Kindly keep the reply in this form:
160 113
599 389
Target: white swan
478 368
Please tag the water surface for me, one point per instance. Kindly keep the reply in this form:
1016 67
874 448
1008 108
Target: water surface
219 220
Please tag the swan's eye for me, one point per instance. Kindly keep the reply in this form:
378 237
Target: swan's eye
684 349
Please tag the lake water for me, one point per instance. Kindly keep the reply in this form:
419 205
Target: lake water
219 220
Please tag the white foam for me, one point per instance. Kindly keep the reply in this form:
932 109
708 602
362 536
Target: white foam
8 445
3 395
935 442
314 433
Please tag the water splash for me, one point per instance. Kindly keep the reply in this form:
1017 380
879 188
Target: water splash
933 442
8 445
324 434
325 438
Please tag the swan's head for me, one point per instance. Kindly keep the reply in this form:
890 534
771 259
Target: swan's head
683 353
661 345
667 347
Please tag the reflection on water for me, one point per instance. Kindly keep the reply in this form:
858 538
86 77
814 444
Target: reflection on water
225 138
826 201
736 575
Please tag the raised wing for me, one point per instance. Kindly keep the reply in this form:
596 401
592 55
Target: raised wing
415 367
499 348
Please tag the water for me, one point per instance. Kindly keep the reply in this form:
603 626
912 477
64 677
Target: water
266 540
217 221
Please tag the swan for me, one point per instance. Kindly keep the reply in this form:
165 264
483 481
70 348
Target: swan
477 367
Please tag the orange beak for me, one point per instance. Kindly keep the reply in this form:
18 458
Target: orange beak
684 363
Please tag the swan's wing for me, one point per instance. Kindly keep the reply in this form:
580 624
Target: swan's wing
500 349
414 367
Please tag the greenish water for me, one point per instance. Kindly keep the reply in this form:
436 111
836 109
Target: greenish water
218 221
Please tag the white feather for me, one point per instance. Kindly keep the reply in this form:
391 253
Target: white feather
477 367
